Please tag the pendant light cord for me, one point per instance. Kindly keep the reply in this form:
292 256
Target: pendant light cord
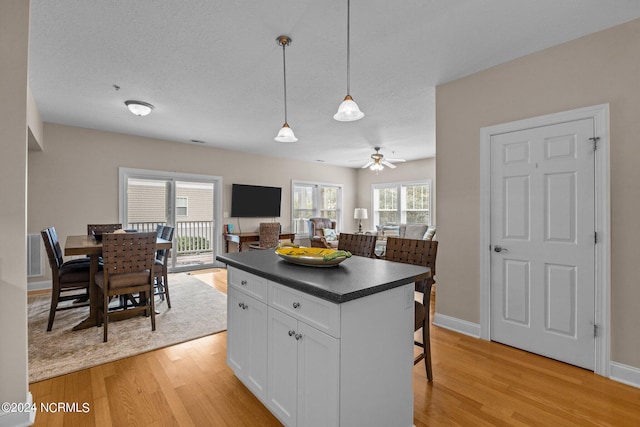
348 47
284 66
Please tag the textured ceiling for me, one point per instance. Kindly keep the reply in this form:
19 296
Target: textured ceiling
213 69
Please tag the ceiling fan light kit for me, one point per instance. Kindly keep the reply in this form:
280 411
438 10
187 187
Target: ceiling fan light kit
377 162
348 111
286 133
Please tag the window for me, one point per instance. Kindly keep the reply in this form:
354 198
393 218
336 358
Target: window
310 200
402 203
182 206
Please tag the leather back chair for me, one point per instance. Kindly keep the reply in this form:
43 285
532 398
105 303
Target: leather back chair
418 252
70 280
128 269
316 233
358 244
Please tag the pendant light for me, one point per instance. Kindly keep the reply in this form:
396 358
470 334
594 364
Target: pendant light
286 133
348 110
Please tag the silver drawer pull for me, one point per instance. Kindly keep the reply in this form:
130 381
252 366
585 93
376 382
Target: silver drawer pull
243 283
298 337
292 333
296 304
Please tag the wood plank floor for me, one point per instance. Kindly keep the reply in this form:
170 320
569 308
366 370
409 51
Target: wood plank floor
476 383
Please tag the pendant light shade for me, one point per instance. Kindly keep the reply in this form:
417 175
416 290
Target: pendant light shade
348 111
286 133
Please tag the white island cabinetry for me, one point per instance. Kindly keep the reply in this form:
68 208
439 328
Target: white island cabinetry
323 346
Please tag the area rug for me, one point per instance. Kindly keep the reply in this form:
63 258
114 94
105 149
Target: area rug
197 310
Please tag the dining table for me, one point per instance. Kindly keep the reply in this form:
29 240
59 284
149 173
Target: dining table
89 246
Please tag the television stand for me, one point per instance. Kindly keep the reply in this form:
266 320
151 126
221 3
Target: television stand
240 238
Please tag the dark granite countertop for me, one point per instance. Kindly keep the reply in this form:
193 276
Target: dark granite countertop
355 277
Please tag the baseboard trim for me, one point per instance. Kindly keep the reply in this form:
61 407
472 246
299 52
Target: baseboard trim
39 286
18 419
457 325
624 374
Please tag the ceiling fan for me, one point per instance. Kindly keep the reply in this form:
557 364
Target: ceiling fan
378 162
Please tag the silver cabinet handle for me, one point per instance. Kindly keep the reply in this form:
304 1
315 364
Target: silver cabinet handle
292 333
296 304
240 305
243 283
243 306
298 337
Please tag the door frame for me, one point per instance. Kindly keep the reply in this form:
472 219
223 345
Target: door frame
124 173
600 116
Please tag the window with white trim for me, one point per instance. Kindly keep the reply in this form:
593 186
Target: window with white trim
182 206
311 199
402 203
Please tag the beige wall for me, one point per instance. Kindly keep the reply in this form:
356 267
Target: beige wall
600 68
74 180
14 39
409 171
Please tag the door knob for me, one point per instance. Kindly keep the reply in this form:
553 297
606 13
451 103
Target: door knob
499 248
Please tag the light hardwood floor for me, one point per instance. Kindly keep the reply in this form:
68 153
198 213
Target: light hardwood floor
476 383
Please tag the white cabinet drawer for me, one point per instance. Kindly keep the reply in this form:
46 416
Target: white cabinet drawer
248 283
316 312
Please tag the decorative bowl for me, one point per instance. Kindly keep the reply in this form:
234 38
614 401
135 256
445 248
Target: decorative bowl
313 257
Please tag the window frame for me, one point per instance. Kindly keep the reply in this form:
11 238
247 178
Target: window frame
401 200
186 206
316 200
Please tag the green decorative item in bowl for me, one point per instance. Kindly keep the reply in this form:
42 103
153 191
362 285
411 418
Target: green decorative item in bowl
314 257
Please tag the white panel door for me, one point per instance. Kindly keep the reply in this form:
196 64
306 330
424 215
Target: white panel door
543 241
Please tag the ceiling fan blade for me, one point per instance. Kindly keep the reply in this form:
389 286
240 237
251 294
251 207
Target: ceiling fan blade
387 164
396 160
367 165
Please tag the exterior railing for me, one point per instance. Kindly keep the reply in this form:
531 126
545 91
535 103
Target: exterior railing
190 237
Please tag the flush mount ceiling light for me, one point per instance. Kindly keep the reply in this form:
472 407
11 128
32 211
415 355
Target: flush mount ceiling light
139 108
285 134
348 111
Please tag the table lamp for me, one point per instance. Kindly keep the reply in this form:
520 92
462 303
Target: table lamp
360 214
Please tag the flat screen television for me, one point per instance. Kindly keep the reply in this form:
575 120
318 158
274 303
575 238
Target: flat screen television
255 201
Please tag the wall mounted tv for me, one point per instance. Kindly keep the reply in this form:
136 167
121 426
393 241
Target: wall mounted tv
255 201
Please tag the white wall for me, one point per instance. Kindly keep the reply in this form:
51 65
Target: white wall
600 68
74 180
14 38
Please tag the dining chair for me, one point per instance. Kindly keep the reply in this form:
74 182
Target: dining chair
99 229
70 280
128 269
358 244
160 268
269 236
418 252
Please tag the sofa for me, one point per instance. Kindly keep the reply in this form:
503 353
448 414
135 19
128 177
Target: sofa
407 231
403 231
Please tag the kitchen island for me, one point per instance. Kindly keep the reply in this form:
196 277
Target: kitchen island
325 346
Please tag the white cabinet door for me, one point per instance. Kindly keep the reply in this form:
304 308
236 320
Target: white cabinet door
318 378
303 371
247 341
282 366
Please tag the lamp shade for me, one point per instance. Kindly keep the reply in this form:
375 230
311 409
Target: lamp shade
348 111
139 108
286 134
360 213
